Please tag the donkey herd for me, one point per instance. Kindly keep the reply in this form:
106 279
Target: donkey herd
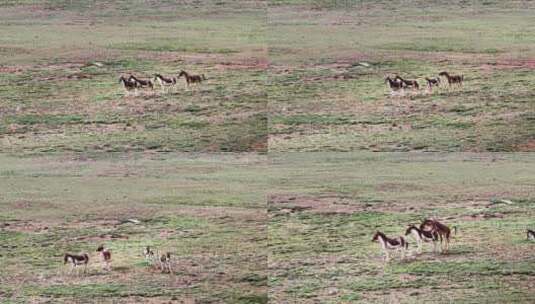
160 261
398 84
134 83
430 230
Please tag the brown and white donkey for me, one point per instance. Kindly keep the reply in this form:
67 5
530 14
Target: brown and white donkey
435 227
105 253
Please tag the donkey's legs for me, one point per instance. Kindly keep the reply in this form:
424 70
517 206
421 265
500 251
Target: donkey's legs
168 266
387 256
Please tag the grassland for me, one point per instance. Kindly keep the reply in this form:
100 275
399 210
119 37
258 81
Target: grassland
325 207
60 63
209 211
313 244
83 164
329 60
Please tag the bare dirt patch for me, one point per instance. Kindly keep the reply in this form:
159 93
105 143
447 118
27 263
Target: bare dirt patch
515 64
528 146
26 226
13 69
333 203
316 204
246 63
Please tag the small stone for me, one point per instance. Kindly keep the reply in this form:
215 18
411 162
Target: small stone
332 291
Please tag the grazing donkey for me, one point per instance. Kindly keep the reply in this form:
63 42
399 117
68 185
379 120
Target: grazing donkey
432 82
165 262
191 79
76 260
128 84
164 81
422 236
408 83
105 253
453 79
530 234
141 83
442 230
394 85
387 244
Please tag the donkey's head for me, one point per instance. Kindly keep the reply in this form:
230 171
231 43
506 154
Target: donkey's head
376 236
409 229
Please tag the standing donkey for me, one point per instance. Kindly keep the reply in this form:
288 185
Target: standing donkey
422 236
164 81
150 257
388 244
165 262
191 79
453 79
435 227
408 83
76 260
141 83
394 85
129 85
106 257
432 82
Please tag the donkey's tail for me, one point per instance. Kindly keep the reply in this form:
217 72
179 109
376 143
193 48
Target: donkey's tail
203 77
